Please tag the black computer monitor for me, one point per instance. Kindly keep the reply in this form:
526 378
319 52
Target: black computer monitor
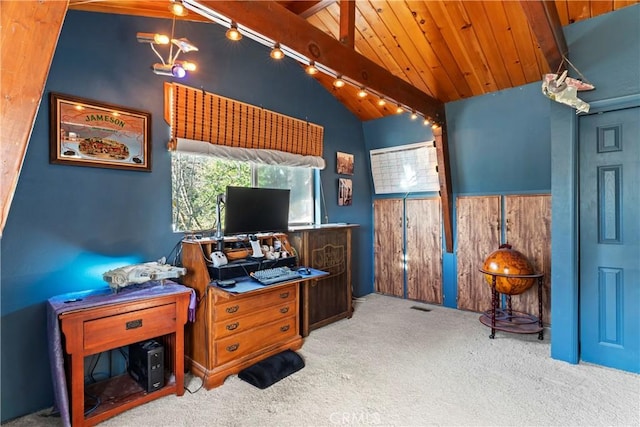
256 210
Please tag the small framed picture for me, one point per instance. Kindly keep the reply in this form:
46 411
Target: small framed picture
344 163
345 192
92 133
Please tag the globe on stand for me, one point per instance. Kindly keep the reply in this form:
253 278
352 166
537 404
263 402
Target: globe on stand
507 261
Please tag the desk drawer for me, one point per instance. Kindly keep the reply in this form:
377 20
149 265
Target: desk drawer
240 324
239 345
239 306
126 328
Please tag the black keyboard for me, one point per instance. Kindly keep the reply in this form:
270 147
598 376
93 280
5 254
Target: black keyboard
270 276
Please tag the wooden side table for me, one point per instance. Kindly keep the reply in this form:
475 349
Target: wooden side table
509 320
158 313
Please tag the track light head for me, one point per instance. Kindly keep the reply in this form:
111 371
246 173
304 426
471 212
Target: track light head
233 33
311 69
338 82
276 52
152 38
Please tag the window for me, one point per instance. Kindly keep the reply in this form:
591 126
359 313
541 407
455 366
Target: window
197 180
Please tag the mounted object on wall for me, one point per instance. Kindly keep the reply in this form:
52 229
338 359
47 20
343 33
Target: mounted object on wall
564 89
171 67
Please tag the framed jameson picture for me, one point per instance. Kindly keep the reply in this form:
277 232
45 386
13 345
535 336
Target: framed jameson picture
91 133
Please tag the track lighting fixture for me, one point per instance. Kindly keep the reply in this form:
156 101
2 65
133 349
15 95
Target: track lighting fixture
414 115
171 67
381 102
177 8
362 93
338 82
399 109
233 33
311 68
276 52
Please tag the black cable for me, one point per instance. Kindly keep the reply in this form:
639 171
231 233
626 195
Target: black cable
97 403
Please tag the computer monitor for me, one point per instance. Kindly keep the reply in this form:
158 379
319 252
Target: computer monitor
256 210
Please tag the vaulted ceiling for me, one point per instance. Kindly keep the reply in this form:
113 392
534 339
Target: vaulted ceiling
446 49
416 53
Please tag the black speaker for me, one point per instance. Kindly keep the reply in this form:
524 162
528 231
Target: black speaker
146 364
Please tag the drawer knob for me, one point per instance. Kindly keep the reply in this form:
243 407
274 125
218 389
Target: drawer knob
284 328
232 347
284 310
232 326
134 324
233 309
284 295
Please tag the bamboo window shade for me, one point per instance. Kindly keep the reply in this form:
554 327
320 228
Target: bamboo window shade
203 116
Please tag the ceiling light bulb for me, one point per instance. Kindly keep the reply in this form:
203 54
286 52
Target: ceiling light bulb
381 102
414 116
233 33
426 122
338 82
178 9
189 66
362 93
399 110
152 38
276 52
311 69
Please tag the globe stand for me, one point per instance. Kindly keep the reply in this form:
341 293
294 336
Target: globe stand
508 320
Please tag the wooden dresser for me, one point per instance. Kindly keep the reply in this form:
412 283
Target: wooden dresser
233 331
326 247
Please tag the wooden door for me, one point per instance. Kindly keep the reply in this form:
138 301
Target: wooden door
424 249
528 230
388 250
478 234
609 153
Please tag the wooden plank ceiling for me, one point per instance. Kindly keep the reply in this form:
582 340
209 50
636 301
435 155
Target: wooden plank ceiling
447 49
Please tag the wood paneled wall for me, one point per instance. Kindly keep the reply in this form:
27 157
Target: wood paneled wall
528 230
388 251
423 222
478 234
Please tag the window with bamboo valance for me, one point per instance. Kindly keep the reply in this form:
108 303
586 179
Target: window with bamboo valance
206 123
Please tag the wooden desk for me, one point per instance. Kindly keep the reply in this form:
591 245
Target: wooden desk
107 326
238 327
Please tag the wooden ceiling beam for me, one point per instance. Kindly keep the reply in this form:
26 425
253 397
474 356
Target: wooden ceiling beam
347 22
275 22
546 26
305 9
26 27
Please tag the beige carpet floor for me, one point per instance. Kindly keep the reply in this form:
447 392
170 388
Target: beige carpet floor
392 365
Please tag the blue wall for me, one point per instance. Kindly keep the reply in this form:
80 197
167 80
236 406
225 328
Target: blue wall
68 224
606 50
498 144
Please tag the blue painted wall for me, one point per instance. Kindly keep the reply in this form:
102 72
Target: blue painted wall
68 224
498 144
606 50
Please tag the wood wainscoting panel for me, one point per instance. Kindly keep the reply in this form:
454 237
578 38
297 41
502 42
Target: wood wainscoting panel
424 250
478 234
528 222
388 251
